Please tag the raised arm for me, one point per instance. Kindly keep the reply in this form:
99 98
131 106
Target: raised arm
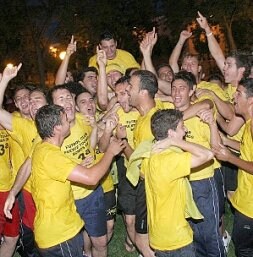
8 74
213 45
174 57
62 71
102 89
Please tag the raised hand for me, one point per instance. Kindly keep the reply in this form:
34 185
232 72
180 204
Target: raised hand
184 35
101 57
71 47
10 72
202 21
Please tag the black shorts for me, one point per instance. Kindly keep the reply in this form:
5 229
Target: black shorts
110 205
230 172
141 209
126 191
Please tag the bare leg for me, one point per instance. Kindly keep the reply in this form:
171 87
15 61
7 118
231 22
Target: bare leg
8 246
99 246
142 242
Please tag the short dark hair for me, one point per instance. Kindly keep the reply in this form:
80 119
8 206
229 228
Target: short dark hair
81 75
122 80
247 83
187 77
39 89
241 61
54 89
47 117
148 81
106 35
163 120
81 91
20 87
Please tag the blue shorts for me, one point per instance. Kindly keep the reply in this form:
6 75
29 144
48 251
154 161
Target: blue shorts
186 251
92 211
69 248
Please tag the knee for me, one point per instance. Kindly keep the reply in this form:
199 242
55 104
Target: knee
99 242
11 241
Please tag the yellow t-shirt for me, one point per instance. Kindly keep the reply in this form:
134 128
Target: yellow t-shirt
24 133
166 199
56 218
123 58
242 199
213 87
5 167
142 130
77 146
199 133
16 154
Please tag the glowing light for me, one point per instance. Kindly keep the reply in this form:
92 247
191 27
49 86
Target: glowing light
9 65
62 55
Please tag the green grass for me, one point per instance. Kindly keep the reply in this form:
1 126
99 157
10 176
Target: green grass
117 248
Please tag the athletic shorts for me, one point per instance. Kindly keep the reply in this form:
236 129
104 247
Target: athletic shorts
9 227
92 211
110 205
141 209
126 191
70 248
219 182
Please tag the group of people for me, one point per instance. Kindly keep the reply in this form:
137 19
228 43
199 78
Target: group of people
162 146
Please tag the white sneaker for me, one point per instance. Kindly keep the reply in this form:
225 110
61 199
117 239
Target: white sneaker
226 240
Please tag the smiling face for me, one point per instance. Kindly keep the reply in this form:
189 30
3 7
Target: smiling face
85 104
112 77
165 73
37 99
109 46
21 100
63 98
181 94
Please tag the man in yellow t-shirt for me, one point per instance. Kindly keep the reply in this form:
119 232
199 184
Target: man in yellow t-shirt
113 55
52 213
207 239
165 173
142 88
243 197
89 200
9 229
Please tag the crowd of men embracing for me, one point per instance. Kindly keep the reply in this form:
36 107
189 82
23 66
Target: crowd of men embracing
162 146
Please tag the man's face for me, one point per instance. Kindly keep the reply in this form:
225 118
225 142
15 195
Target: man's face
122 96
240 100
21 100
166 74
191 64
63 98
133 90
69 77
90 82
109 46
112 77
181 94
36 100
231 72
86 104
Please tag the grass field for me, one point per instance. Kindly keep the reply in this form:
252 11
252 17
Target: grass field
117 248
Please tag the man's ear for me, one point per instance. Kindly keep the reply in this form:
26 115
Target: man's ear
199 68
77 108
116 43
171 133
241 71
